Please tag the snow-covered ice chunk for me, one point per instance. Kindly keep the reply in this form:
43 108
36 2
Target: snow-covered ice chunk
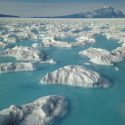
2 44
75 75
15 67
24 53
81 41
50 61
116 68
40 112
104 57
49 41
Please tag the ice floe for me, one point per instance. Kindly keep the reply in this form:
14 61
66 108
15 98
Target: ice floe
16 67
80 41
24 53
104 57
49 41
40 112
45 30
2 44
50 61
75 75
116 69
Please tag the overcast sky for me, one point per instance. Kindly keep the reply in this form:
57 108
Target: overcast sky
54 7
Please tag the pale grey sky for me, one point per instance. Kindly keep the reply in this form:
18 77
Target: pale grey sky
52 7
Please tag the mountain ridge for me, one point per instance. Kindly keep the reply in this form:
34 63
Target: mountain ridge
6 15
105 12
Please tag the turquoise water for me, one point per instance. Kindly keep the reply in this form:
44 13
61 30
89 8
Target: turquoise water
66 39
104 43
86 106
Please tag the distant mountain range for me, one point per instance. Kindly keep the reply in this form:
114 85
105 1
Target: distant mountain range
3 15
105 12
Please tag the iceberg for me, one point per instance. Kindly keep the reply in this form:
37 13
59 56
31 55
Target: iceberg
50 61
36 45
84 40
24 29
80 41
119 52
24 53
16 67
49 41
40 112
104 57
2 44
75 75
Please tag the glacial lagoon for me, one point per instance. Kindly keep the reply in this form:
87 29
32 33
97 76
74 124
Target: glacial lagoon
87 106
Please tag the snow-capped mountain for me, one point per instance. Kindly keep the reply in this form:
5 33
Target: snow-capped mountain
105 12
